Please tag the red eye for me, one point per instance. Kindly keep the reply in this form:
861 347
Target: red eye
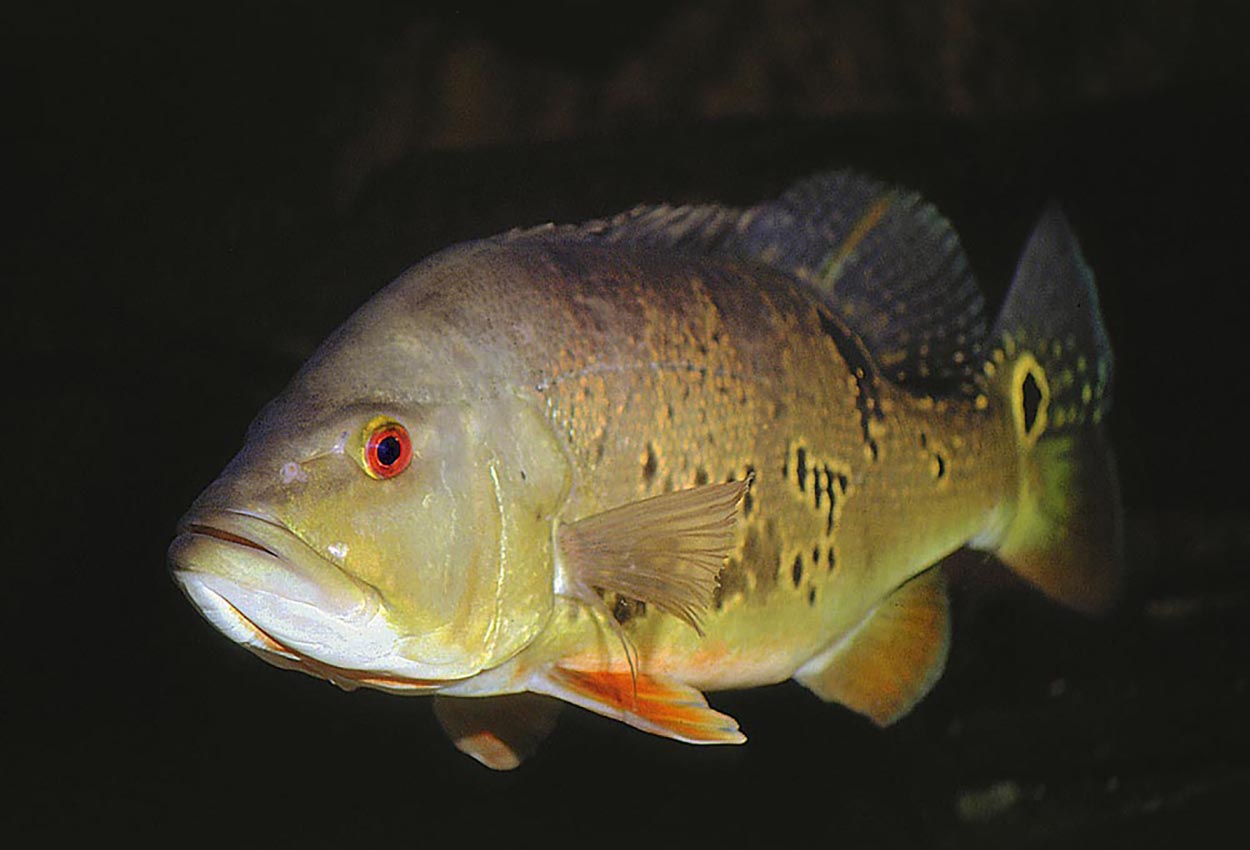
388 450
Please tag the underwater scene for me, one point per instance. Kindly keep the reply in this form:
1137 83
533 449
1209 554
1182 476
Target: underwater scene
857 461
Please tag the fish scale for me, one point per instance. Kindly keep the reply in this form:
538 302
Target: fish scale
715 385
683 449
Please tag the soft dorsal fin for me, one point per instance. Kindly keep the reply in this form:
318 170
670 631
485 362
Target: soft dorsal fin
885 260
889 264
890 660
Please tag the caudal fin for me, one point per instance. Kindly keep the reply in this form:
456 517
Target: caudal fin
1053 363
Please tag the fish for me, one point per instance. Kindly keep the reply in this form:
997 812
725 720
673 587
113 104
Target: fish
684 449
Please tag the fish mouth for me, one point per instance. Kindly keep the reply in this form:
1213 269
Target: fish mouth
263 587
222 534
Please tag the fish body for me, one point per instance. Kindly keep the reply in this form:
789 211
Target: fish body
683 450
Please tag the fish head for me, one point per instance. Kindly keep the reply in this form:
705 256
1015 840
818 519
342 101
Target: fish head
393 544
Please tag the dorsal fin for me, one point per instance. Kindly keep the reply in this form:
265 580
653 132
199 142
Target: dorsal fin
887 262
700 229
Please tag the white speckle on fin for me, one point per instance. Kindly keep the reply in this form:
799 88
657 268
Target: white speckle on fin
890 660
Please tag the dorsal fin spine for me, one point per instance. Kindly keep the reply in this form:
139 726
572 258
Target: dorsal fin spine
880 257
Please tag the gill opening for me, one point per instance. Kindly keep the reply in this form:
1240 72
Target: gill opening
492 634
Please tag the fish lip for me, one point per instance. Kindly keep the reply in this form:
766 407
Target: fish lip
230 536
220 544
231 525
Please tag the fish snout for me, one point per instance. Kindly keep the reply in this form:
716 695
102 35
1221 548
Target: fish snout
238 564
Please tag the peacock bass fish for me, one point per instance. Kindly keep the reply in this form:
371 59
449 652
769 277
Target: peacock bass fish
684 449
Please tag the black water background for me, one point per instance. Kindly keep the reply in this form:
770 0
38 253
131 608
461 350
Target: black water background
172 258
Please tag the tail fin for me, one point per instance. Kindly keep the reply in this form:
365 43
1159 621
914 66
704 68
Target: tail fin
1053 363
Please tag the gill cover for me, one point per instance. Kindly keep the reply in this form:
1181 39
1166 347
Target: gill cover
442 512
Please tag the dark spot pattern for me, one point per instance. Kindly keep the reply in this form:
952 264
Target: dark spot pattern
856 356
624 610
1030 401
650 465
828 483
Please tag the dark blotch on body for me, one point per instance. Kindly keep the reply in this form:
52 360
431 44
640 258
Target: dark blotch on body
624 610
650 466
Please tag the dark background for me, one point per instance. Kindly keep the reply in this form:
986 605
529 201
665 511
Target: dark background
198 194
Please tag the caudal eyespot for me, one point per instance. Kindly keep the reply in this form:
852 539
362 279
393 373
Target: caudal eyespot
1030 400
1032 413
388 449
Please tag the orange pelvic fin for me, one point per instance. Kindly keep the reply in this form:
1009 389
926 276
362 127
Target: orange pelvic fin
651 703
893 658
501 731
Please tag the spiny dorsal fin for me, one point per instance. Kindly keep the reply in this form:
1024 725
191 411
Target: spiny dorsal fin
500 731
887 262
666 551
893 658
700 229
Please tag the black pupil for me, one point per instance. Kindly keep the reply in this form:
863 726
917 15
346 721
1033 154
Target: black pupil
388 450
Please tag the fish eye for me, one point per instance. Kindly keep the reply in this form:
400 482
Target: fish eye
388 449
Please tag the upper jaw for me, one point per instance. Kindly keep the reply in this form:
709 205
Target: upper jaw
248 550
264 588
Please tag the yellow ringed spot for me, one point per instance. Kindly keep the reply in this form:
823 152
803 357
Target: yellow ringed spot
1024 371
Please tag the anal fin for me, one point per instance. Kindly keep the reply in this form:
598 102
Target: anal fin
651 703
890 660
499 731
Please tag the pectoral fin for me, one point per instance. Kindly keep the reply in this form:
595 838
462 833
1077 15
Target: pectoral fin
651 703
666 551
499 731
893 658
